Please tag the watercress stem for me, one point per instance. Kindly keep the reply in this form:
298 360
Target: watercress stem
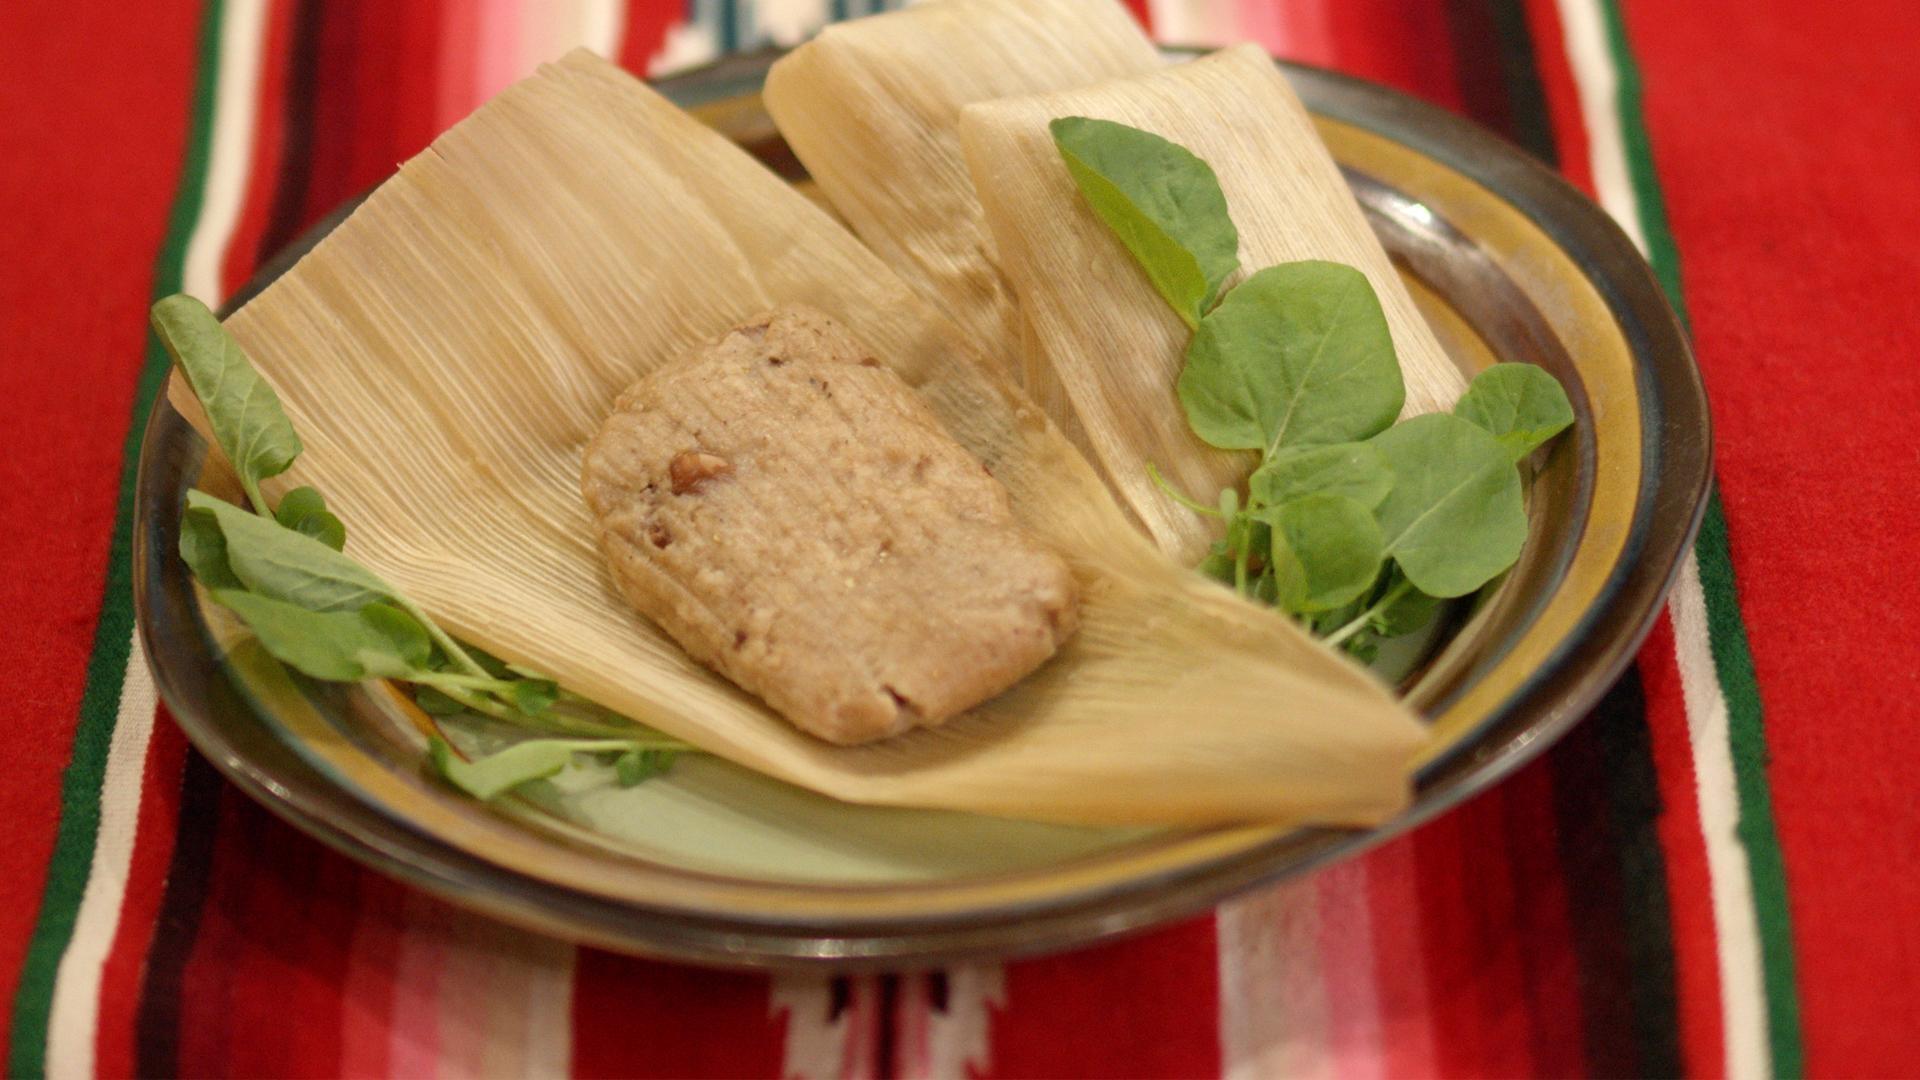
1360 621
479 703
611 744
255 497
660 742
441 638
1176 495
471 694
558 720
583 712
485 683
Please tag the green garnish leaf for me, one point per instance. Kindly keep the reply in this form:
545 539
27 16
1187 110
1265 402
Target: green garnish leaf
1218 564
1405 613
1326 551
1353 469
1325 622
375 642
320 612
1266 587
281 564
498 773
434 703
1296 354
638 766
248 422
1297 362
203 547
538 759
1520 405
304 511
533 696
490 663
1455 518
1163 203
1364 647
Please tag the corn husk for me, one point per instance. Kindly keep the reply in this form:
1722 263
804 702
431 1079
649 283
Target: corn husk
871 108
1109 347
449 349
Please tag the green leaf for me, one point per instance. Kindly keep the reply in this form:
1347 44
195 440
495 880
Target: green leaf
521 763
1353 469
1408 612
491 664
1520 405
324 527
1162 202
304 511
1246 536
375 642
533 696
1296 354
1363 646
245 414
281 564
499 773
1326 551
298 503
1326 622
203 547
1266 587
1455 518
637 766
1218 564
434 703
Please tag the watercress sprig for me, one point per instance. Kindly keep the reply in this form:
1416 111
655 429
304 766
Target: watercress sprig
633 760
284 571
244 412
1353 523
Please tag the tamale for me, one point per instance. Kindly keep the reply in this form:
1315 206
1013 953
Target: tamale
1108 346
448 351
871 106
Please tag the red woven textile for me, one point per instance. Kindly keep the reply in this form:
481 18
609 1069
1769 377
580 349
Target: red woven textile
1718 871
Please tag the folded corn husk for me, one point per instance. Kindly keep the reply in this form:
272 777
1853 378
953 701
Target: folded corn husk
1109 346
870 107
449 349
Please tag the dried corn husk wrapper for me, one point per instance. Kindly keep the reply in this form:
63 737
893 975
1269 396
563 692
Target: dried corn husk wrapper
1109 348
871 108
448 350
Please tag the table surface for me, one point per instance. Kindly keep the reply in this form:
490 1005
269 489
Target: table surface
1718 871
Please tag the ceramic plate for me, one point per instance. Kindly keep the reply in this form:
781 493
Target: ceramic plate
716 864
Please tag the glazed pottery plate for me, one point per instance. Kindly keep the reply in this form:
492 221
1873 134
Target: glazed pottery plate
716 864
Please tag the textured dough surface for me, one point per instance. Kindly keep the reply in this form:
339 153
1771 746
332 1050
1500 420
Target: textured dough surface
797 519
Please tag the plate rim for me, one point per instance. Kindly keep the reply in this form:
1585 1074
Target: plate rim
1541 710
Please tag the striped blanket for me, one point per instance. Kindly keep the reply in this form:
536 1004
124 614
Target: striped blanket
1712 874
